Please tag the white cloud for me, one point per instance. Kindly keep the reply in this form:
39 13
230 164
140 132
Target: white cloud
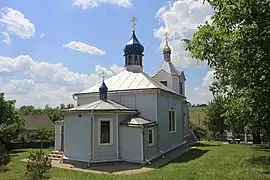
201 94
7 39
85 48
181 19
41 36
85 4
15 23
40 83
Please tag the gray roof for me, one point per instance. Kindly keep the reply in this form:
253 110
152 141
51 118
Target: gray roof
169 68
36 122
127 80
102 106
137 121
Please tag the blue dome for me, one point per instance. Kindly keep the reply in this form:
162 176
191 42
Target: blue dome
103 88
133 46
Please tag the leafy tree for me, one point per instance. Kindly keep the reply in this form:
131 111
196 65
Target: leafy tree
43 135
11 122
215 118
4 157
55 114
236 45
38 166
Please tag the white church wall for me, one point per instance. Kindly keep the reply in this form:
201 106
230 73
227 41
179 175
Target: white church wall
164 76
152 151
105 152
57 141
144 101
175 84
130 141
77 137
169 140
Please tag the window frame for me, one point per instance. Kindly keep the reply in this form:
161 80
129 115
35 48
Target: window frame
181 88
170 120
185 119
99 132
152 136
164 82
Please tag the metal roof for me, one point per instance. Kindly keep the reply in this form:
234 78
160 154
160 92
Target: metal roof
168 67
101 106
137 121
128 80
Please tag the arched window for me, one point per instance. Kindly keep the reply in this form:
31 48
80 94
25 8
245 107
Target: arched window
140 60
136 60
126 61
129 60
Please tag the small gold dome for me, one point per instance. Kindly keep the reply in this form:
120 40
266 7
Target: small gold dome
167 49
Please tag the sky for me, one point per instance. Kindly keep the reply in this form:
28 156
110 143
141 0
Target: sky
52 49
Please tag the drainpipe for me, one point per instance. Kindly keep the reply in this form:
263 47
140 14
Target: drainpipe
92 144
143 148
158 140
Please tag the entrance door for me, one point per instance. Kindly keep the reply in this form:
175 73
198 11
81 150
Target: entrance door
62 138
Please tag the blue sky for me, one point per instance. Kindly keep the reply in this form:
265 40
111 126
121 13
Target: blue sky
50 49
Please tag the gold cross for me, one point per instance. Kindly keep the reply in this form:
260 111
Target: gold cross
133 20
103 75
166 37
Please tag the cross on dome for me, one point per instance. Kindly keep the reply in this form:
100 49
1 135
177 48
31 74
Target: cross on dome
133 20
166 37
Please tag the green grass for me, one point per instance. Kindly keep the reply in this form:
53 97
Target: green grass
208 161
197 115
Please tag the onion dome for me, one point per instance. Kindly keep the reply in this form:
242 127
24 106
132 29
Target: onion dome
166 49
133 47
103 91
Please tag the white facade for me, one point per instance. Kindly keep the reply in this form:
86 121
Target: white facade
127 116
144 101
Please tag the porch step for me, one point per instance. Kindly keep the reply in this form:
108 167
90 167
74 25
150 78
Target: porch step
56 155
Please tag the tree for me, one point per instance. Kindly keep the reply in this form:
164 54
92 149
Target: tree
236 45
43 135
4 158
38 166
11 122
215 116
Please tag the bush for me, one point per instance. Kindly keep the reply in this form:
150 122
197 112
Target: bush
4 158
38 166
199 131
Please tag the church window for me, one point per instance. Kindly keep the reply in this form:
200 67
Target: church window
105 132
140 60
164 83
172 121
180 87
130 60
185 119
126 61
136 60
150 137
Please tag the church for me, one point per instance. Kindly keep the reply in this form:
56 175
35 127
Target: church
131 117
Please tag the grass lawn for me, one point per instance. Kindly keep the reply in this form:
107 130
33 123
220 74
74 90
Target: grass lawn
208 161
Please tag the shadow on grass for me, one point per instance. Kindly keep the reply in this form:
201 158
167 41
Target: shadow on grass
263 161
206 145
193 154
262 147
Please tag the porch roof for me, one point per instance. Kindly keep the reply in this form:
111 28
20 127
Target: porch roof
137 121
101 105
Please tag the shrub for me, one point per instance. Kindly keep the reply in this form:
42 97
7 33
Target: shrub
4 158
38 166
199 131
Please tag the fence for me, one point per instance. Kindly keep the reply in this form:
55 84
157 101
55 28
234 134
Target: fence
31 145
